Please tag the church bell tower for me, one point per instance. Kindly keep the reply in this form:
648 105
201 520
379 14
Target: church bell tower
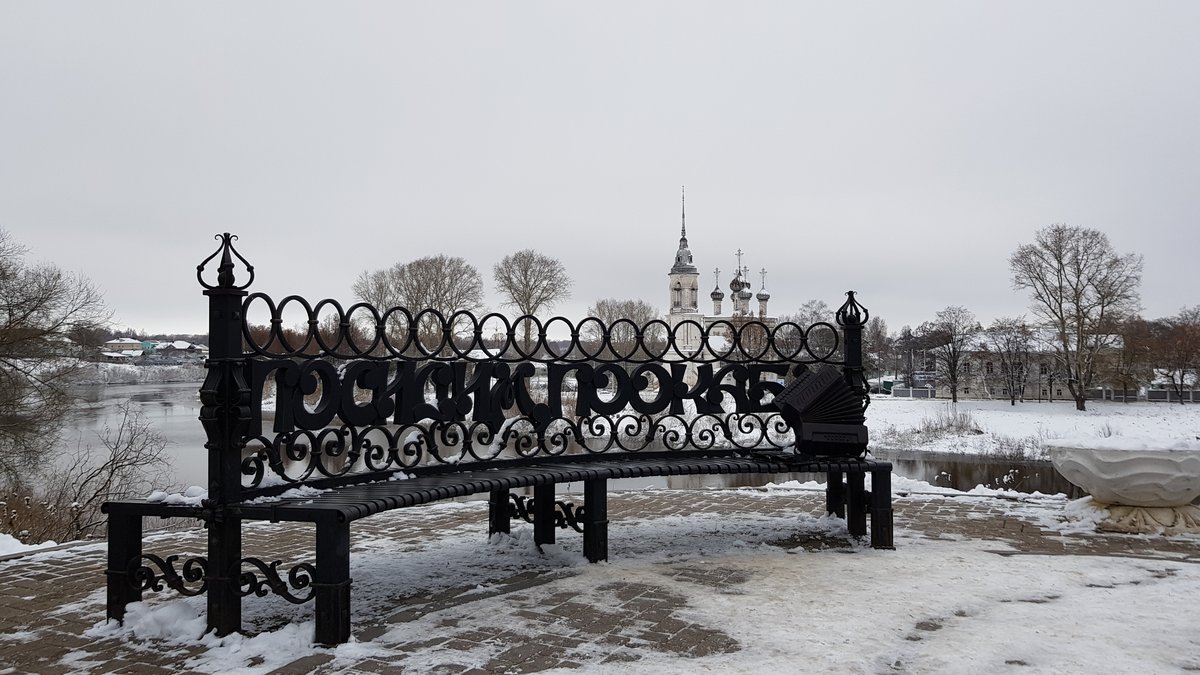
684 289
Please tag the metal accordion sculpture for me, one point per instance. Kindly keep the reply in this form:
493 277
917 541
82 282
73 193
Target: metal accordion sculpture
825 414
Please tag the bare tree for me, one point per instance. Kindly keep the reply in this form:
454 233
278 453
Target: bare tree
531 282
131 462
948 337
624 319
821 340
40 306
1130 365
1011 340
1082 290
1177 350
447 284
752 336
90 338
877 346
903 345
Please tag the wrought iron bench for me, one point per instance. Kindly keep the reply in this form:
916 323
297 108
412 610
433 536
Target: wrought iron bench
370 414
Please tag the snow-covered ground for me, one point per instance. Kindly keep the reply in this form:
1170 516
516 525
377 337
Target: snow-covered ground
10 544
948 605
998 428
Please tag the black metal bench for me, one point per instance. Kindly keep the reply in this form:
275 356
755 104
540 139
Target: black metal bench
457 415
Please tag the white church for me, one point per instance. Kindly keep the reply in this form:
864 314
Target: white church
684 288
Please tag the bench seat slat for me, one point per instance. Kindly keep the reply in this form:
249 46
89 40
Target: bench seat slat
359 501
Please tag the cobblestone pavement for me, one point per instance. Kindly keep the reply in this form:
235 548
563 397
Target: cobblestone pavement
48 600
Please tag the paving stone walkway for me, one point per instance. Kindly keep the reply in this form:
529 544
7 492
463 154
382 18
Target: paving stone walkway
49 600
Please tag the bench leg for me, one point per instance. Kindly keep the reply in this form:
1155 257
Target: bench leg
595 519
856 508
331 587
543 514
881 509
835 495
498 512
224 575
124 545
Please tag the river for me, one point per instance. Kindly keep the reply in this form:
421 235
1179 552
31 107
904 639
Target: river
173 410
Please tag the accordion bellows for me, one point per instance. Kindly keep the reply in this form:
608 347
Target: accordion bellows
825 414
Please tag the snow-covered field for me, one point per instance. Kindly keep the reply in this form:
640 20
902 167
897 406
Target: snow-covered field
998 428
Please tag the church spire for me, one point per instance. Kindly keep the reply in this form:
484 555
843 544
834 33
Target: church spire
683 216
683 256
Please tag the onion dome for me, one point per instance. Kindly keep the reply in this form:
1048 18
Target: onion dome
763 295
716 294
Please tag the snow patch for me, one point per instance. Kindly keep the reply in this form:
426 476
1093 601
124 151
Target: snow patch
192 496
10 545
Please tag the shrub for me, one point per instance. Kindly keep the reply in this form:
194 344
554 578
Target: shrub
63 505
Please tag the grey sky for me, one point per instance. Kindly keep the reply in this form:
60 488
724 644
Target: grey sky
900 149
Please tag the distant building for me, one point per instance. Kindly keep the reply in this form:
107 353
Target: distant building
118 349
182 350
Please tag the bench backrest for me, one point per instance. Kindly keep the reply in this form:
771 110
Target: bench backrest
358 393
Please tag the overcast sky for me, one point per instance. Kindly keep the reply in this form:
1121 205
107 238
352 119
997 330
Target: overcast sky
903 150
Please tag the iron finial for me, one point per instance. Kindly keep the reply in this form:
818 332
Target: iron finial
851 313
225 275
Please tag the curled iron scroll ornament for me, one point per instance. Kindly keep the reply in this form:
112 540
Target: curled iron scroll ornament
566 514
302 455
149 572
144 576
299 577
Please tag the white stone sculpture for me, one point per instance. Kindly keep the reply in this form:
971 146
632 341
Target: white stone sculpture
1146 487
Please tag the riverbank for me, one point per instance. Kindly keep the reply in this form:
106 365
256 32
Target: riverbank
124 373
998 429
